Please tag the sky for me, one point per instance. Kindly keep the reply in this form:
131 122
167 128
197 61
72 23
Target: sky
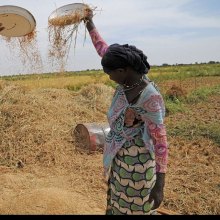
168 31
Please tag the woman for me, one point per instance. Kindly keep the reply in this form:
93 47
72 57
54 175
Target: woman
136 150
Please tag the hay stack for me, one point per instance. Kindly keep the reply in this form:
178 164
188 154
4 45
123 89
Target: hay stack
36 126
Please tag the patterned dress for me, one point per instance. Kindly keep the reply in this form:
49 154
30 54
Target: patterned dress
133 154
131 179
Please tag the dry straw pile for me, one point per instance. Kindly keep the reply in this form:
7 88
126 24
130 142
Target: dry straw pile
36 126
36 129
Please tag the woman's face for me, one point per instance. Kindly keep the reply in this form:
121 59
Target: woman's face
118 75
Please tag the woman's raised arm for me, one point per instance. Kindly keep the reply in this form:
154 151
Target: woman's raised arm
100 45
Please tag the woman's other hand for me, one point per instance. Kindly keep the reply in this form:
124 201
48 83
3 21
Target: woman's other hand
88 19
156 196
157 193
88 15
129 117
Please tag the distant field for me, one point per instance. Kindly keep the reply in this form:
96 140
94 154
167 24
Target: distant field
75 80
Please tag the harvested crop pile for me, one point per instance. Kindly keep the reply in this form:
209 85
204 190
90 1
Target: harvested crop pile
35 124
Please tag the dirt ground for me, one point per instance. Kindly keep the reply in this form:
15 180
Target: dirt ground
43 171
47 191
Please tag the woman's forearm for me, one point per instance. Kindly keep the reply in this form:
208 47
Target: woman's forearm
100 45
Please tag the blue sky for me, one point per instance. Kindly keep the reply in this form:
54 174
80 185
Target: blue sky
168 31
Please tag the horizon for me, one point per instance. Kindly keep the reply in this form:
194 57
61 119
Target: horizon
91 70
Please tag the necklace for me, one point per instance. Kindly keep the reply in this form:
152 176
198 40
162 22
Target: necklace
127 88
137 96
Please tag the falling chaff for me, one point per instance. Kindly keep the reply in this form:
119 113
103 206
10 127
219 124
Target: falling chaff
62 31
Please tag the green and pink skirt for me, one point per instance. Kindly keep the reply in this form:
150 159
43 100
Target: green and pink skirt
132 177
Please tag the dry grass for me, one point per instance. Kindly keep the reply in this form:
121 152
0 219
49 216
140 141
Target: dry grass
192 182
61 177
34 190
36 129
34 124
61 82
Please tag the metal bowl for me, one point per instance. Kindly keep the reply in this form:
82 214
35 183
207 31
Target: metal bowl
16 20
67 14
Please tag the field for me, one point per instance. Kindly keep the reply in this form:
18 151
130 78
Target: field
43 170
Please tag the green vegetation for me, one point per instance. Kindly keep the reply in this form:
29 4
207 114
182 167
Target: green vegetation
202 94
157 74
180 104
52 75
196 130
173 107
189 127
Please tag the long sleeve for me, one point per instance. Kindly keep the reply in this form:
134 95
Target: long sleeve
100 45
158 134
154 122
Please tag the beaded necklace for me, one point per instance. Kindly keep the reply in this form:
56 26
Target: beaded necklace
128 88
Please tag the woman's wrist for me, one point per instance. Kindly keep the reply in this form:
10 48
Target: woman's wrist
90 25
160 181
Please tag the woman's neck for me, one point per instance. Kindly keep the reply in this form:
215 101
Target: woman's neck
131 85
132 78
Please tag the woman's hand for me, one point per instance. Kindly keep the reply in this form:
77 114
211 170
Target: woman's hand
1 27
88 19
129 117
88 15
157 194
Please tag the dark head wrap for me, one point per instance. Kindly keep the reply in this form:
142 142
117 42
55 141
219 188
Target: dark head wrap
121 56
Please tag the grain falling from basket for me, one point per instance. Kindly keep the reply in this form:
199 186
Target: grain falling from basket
62 32
27 51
